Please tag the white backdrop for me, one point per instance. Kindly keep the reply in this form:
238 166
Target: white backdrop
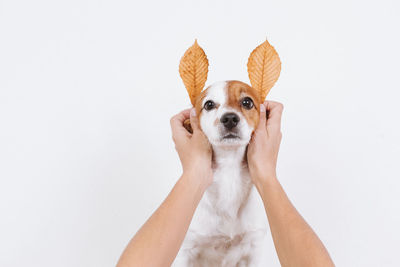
87 89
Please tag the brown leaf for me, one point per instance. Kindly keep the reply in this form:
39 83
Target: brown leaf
263 67
193 69
187 125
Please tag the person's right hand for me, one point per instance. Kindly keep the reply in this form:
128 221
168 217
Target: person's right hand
194 150
262 153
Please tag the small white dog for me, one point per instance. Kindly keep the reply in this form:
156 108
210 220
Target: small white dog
229 226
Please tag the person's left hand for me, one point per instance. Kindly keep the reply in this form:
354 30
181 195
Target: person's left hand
194 150
262 152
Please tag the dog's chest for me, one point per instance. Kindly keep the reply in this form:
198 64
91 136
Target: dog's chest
225 230
221 208
229 191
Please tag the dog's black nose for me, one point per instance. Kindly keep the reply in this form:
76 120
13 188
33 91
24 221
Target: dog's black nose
230 120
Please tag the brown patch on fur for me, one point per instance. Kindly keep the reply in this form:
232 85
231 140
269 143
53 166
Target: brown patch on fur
238 90
199 108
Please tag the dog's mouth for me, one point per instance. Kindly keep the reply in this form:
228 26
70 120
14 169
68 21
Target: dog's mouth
230 136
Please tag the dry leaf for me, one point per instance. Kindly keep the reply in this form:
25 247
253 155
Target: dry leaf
187 125
193 69
263 67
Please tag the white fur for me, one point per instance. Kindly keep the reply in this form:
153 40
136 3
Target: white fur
229 226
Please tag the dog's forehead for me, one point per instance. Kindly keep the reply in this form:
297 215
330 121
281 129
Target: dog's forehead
216 92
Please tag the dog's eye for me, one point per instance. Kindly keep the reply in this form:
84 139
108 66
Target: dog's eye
209 105
247 103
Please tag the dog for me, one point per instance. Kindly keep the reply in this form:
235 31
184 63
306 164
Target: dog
229 227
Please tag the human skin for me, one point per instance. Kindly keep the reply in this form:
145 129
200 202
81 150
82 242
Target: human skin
158 241
295 242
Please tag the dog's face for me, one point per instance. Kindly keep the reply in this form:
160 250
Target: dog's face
228 113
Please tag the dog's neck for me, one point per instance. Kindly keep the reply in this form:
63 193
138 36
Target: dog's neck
229 156
231 186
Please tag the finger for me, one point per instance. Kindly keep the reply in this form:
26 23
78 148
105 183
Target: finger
263 118
275 113
194 120
177 123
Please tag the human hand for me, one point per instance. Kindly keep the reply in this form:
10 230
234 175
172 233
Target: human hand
262 153
193 149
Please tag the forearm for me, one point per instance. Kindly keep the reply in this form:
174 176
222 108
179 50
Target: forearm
158 241
295 242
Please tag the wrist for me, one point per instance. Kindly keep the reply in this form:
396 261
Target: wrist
266 179
199 180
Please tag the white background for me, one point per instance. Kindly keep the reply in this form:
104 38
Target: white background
87 89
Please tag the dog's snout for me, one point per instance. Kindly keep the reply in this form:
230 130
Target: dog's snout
230 120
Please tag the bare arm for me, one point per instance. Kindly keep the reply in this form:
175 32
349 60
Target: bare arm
159 239
295 242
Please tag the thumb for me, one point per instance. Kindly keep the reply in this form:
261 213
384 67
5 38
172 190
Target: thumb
263 118
194 120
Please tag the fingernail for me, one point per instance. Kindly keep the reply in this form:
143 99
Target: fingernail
262 108
193 112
